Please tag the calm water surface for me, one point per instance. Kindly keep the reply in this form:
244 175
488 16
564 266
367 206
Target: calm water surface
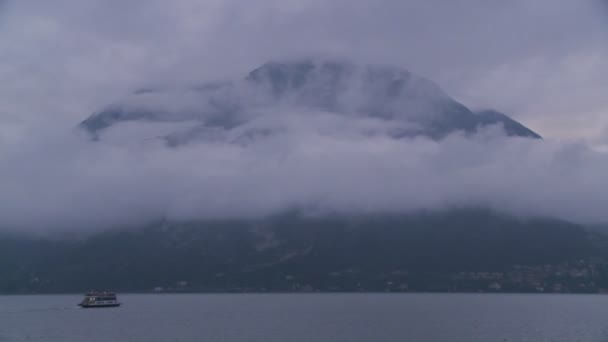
310 317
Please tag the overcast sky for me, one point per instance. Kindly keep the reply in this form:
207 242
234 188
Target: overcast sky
543 62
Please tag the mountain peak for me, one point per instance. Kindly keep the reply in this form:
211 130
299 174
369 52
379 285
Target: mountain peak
338 87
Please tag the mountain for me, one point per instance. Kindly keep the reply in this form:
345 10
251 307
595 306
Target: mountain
457 250
511 127
411 104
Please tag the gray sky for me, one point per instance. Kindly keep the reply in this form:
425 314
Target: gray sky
544 62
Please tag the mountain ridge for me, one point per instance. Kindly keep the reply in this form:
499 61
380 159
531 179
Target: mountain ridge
388 94
425 251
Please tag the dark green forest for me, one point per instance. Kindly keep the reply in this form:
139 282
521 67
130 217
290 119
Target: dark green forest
458 250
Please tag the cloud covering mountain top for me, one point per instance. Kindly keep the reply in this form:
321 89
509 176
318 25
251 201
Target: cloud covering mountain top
273 143
542 62
412 105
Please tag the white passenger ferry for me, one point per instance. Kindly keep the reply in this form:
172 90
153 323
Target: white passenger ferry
99 300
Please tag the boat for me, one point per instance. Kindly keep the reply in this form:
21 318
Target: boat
99 300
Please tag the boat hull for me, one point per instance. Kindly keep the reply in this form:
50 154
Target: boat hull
94 306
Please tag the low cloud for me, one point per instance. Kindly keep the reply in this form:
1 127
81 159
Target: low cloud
315 161
542 62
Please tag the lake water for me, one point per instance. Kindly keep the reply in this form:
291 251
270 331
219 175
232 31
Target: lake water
309 317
